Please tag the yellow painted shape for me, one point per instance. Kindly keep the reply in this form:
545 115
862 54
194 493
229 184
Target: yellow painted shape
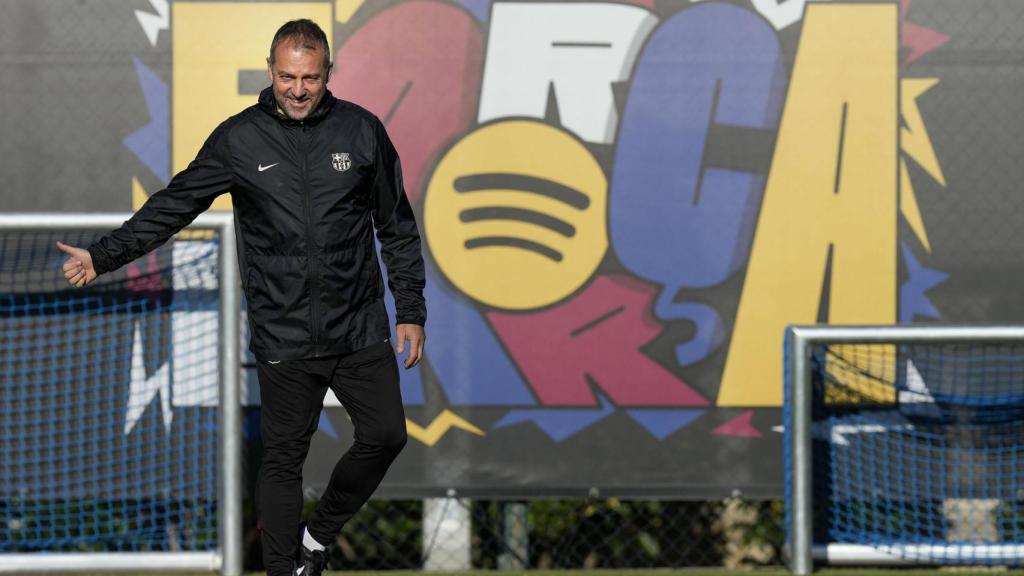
909 207
344 10
915 140
515 274
212 42
139 195
439 427
847 54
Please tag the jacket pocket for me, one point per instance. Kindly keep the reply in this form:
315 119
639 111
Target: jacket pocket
278 293
347 286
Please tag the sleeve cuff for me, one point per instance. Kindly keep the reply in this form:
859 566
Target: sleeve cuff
99 261
418 320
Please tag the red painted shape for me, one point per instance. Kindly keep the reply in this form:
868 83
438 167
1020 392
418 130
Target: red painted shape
597 335
146 282
904 6
919 39
739 426
417 66
649 4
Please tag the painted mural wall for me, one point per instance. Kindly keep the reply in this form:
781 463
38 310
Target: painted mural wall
623 203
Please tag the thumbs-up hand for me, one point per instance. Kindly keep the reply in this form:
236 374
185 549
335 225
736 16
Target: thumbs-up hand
78 268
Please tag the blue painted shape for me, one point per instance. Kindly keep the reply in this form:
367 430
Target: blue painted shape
463 351
913 301
557 423
480 9
411 379
706 320
325 425
469 360
662 423
663 228
152 143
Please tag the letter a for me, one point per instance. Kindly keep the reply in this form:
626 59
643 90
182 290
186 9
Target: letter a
831 197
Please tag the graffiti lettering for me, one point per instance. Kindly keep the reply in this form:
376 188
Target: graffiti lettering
830 197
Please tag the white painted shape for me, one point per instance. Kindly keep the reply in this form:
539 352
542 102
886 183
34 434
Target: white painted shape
142 390
524 58
331 401
196 373
152 24
195 265
915 382
917 390
781 13
836 432
839 432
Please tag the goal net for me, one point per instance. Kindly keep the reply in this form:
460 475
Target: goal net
109 404
912 445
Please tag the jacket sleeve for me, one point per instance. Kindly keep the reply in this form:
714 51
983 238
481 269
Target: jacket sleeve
189 193
399 236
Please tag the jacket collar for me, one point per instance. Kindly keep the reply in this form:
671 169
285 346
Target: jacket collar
268 104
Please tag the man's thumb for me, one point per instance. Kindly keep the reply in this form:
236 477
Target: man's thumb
64 248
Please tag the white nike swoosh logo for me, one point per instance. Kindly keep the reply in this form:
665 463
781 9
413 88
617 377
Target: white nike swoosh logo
262 167
273 361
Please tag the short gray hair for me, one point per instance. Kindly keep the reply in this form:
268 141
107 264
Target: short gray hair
306 34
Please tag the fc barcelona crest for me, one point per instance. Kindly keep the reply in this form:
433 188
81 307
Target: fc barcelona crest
341 161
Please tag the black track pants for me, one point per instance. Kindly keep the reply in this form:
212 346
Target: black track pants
292 394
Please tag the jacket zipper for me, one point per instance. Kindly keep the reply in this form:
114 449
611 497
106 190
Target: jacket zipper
314 287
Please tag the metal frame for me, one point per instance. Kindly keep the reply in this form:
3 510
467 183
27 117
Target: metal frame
228 559
803 551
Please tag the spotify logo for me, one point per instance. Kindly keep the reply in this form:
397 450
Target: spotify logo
515 215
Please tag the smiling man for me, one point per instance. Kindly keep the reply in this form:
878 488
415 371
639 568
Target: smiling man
298 77
312 178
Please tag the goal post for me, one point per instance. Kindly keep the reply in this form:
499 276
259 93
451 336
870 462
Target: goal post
95 475
901 445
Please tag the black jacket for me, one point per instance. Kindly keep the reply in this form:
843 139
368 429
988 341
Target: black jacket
307 196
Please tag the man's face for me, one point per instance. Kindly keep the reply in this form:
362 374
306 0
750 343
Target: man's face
298 77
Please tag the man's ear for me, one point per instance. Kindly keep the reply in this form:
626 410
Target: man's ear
270 71
327 76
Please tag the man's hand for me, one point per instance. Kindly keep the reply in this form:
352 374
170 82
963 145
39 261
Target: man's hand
78 267
414 334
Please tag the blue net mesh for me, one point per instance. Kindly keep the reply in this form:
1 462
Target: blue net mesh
917 450
108 400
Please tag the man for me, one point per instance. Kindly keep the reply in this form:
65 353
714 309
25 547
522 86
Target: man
308 175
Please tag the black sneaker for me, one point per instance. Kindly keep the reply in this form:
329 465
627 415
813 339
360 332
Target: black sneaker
312 562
